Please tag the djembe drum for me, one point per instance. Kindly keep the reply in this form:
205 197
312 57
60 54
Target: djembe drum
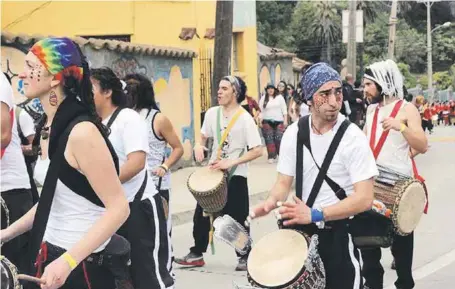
10 279
286 259
209 188
5 214
404 196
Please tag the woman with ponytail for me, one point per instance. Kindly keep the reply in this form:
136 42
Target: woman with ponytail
82 203
145 228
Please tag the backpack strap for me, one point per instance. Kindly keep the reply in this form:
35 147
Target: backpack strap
114 116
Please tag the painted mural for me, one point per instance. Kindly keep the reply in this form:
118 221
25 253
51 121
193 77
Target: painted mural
13 64
172 78
274 71
269 74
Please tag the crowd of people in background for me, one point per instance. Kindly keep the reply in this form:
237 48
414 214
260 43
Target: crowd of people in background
281 105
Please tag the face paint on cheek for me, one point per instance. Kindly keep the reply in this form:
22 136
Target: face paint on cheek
319 101
38 70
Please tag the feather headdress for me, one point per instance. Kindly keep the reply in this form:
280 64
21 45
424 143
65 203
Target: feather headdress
387 75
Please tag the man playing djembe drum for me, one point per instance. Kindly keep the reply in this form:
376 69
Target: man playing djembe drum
383 83
351 170
242 145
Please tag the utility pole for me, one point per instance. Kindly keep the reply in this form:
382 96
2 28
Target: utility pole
392 29
430 55
223 44
352 43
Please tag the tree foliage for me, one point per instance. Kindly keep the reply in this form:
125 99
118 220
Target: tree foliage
312 30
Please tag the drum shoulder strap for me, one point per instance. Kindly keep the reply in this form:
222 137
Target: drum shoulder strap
114 116
304 138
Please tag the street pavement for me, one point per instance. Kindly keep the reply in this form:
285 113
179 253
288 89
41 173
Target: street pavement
434 251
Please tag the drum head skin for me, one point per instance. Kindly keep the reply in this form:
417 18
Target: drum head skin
205 179
278 258
410 210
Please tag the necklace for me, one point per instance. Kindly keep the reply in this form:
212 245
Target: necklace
318 131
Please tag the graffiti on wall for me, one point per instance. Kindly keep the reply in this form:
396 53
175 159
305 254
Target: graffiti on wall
12 65
127 64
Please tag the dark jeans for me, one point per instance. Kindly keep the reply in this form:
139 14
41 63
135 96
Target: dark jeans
402 251
19 202
237 207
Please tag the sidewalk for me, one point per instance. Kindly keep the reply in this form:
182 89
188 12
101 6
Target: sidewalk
261 177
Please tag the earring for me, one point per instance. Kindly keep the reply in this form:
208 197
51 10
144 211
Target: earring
53 98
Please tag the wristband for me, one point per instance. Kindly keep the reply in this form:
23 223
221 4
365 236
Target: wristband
317 216
164 167
70 260
403 127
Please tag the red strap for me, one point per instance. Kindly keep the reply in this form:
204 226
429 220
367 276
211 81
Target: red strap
378 148
40 260
422 180
11 114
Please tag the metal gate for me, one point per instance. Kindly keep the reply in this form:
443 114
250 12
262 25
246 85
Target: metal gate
205 64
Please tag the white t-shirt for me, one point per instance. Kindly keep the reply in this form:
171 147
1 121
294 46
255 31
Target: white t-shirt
129 134
244 134
353 161
275 110
26 123
13 169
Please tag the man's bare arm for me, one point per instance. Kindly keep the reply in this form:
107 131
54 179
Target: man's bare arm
359 201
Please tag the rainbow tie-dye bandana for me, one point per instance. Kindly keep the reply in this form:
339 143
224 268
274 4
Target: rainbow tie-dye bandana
60 56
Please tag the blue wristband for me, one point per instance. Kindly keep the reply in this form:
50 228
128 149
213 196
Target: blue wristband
316 216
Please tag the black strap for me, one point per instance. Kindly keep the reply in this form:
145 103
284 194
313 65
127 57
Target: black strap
140 193
47 194
339 191
160 180
303 138
114 116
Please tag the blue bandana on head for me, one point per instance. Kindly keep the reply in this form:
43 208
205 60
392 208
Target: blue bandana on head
316 76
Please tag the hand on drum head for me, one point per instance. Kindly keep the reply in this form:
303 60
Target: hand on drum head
295 213
262 209
55 274
199 152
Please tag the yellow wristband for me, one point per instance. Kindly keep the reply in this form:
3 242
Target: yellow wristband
70 260
403 127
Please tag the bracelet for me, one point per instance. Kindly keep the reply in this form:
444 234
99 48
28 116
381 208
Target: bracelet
166 168
70 260
317 216
403 127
